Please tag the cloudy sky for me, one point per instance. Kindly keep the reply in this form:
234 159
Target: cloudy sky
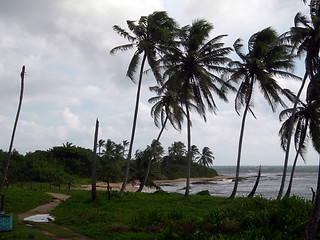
71 78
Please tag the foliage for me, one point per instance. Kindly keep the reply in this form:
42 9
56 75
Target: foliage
68 163
164 215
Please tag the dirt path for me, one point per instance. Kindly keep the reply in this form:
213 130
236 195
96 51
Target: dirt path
46 208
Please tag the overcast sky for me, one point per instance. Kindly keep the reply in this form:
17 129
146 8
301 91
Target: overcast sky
71 78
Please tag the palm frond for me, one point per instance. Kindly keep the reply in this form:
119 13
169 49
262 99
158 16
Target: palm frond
125 47
124 33
132 68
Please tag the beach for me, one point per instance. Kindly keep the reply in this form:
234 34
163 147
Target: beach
132 187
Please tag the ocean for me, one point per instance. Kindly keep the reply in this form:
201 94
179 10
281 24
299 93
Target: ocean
305 178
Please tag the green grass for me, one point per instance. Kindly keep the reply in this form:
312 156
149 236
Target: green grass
18 201
162 216
171 216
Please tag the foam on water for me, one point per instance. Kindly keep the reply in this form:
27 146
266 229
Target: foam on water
305 178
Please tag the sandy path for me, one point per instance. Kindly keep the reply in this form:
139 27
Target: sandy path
45 208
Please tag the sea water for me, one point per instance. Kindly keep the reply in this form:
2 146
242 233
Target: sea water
305 178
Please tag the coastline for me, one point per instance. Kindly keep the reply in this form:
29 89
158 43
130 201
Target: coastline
132 187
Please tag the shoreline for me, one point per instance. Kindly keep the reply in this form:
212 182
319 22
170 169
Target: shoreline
133 187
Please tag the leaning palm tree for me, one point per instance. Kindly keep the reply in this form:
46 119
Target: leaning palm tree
193 71
267 58
206 157
166 108
305 38
149 37
302 120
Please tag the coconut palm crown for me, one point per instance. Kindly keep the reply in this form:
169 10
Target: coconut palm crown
149 37
194 71
268 57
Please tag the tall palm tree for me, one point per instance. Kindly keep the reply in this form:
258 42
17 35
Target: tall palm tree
192 71
206 157
268 57
150 37
302 120
304 36
166 107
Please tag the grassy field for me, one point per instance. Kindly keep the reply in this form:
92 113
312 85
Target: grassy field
18 201
162 216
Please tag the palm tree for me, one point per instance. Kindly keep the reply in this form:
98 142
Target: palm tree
194 152
302 120
112 150
267 58
125 143
101 143
192 72
206 157
67 145
177 149
304 36
150 36
166 107
314 132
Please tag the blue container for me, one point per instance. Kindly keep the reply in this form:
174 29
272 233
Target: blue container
5 222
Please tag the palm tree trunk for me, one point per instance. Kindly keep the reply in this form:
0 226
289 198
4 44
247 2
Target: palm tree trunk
133 127
151 156
189 152
312 226
236 182
5 170
289 137
94 187
254 189
292 174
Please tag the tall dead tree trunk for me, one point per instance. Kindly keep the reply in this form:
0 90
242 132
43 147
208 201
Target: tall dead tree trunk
94 187
5 170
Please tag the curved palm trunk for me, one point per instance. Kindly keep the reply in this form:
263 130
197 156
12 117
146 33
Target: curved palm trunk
235 187
292 174
143 183
5 170
312 226
289 137
189 153
133 127
254 189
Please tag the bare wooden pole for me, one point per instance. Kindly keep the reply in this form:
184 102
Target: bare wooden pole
94 187
5 170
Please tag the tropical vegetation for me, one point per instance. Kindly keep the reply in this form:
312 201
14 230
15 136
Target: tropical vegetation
192 70
162 215
72 164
